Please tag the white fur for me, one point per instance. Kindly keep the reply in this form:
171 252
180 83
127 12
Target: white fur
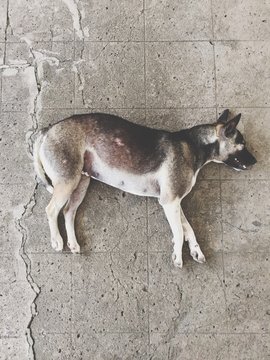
173 213
195 250
142 185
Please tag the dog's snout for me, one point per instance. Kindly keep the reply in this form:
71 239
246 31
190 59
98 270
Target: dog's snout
251 160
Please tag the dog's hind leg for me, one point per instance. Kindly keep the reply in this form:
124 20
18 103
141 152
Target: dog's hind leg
172 211
195 250
61 194
70 212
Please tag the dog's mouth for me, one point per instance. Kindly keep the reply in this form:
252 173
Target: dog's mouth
241 160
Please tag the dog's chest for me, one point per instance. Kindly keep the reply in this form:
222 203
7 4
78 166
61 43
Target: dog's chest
143 185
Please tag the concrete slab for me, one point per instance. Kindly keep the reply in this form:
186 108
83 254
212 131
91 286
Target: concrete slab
172 295
247 301
3 19
248 346
14 349
15 163
173 347
162 20
110 346
49 117
38 75
2 50
212 346
10 269
179 74
58 346
18 54
52 274
238 20
113 297
246 227
14 319
136 115
18 93
240 70
51 20
13 199
99 83
112 21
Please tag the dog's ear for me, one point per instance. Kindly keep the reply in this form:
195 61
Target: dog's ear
223 117
230 126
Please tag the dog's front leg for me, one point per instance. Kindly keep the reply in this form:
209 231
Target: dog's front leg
194 247
173 213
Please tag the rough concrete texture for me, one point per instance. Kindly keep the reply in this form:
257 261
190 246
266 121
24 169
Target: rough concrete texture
168 64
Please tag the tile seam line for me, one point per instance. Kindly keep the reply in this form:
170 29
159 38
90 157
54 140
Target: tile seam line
72 259
180 332
87 255
139 108
216 333
219 172
153 332
96 333
140 41
146 201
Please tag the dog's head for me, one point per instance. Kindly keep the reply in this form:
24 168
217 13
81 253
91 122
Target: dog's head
232 146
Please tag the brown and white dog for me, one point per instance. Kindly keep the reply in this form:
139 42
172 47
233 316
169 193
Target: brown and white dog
133 158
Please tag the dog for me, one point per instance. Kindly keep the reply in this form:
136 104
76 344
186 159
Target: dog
136 159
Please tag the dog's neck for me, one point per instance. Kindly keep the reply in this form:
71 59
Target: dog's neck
204 142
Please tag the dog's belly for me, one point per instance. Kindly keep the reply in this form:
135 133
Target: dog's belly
143 185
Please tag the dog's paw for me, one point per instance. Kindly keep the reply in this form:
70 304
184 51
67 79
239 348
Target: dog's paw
74 248
57 243
197 254
177 260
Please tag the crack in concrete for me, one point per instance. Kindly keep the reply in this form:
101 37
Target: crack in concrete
33 130
80 77
81 84
28 209
76 15
80 19
9 70
6 32
73 6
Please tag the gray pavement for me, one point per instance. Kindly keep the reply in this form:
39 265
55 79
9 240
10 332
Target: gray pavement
167 64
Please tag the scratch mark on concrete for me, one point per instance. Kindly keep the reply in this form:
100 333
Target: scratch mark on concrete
241 229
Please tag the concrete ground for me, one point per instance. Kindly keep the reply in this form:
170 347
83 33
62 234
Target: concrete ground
164 63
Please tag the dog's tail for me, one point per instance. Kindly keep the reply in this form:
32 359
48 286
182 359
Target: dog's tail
37 161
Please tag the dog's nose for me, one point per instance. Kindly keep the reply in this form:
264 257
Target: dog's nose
250 159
